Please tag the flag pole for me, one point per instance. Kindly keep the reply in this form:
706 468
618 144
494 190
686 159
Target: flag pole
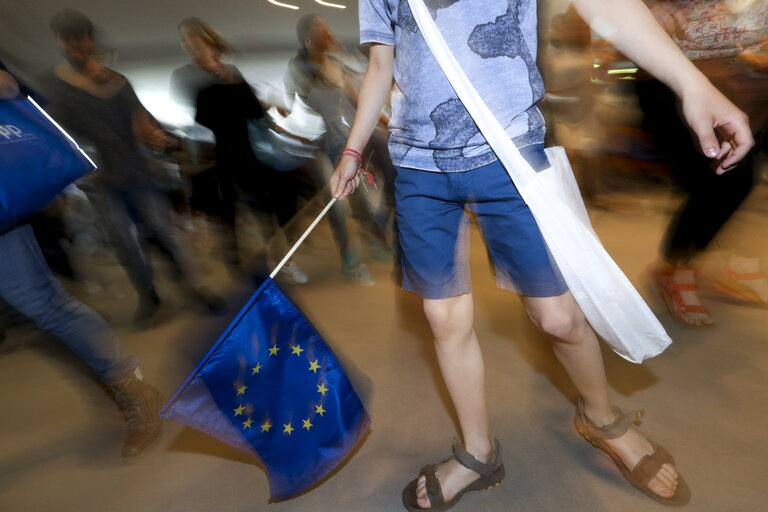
301 238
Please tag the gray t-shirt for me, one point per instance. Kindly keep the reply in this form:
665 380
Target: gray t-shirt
495 43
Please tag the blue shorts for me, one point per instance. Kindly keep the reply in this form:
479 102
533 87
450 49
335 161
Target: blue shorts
434 233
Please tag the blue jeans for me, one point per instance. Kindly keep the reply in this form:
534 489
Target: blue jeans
27 284
149 211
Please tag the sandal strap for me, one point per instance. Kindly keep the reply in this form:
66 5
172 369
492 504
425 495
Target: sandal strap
612 430
682 287
692 308
744 276
680 305
469 461
433 488
649 466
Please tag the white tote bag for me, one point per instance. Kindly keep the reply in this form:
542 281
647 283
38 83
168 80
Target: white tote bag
610 303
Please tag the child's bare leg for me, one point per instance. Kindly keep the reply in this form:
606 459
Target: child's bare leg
461 364
576 347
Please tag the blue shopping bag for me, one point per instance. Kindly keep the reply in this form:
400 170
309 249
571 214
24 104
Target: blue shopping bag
38 159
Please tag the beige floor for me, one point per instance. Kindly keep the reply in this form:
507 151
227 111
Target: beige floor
705 398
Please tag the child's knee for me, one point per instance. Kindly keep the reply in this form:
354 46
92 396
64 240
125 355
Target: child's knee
437 313
561 325
449 317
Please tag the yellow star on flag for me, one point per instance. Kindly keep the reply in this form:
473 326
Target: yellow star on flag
266 426
307 425
239 410
241 390
256 369
296 349
319 409
273 350
247 424
313 366
288 429
322 389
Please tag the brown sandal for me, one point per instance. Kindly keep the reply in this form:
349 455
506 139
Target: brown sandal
646 469
491 475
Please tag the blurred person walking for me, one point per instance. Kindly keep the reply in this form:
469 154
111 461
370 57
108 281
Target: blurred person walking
320 77
100 106
445 164
728 42
28 285
225 103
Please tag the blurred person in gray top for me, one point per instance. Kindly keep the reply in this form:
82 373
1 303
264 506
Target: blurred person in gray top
321 78
99 105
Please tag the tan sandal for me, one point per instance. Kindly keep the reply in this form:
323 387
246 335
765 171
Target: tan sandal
646 469
491 475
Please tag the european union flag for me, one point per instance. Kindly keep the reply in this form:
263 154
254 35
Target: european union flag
271 387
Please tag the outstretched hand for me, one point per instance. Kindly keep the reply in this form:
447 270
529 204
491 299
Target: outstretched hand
721 127
345 178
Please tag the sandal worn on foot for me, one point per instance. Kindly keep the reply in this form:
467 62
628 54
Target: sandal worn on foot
491 475
670 292
646 469
732 283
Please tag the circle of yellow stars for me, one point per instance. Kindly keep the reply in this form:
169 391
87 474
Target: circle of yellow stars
243 410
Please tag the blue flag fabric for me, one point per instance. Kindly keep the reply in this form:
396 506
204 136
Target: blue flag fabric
37 160
271 387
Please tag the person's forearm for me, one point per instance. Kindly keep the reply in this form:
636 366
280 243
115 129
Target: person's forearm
377 84
635 32
9 88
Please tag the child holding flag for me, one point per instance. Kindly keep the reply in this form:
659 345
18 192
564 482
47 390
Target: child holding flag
444 165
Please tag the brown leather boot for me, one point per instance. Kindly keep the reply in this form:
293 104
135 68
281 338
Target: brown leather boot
140 403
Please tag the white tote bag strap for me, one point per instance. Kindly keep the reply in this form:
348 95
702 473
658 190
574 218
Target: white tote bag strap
609 301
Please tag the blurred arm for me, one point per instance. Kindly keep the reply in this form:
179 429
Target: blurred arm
722 129
374 92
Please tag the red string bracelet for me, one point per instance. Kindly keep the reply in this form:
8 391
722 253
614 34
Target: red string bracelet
365 176
356 155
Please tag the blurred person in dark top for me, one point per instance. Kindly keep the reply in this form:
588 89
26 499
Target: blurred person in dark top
728 42
225 103
327 85
100 106
27 284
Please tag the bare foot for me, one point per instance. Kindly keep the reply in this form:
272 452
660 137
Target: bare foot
453 478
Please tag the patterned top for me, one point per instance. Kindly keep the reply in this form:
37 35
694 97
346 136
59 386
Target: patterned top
722 29
495 42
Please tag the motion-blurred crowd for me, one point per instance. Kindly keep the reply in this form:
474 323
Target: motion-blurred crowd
265 159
